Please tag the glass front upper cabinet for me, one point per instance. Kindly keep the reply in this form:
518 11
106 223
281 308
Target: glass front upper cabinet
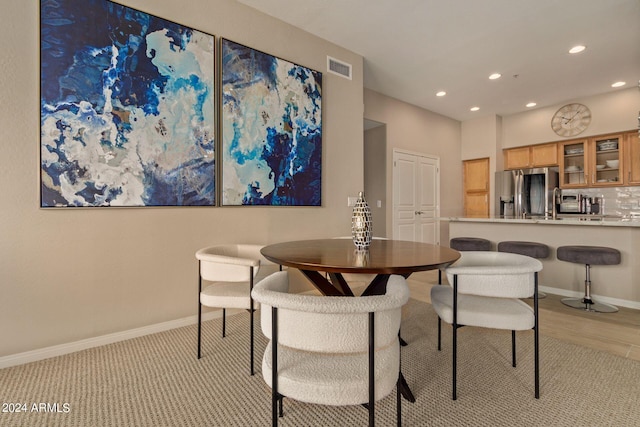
573 162
595 162
607 162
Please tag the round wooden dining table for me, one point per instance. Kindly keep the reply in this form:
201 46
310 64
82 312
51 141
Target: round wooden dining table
339 256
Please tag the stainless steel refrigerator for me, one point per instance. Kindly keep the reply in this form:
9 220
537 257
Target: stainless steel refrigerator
525 193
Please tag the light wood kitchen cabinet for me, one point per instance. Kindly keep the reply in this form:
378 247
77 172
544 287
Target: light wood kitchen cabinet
517 158
476 205
531 156
594 162
632 157
544 155
476 187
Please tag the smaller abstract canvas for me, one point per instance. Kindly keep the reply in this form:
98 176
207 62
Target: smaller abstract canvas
271 130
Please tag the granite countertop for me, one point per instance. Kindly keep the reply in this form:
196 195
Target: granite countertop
587 220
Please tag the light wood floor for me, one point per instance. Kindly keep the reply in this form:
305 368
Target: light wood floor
616 333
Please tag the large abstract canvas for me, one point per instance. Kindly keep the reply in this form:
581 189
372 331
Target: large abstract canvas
271 130
127 108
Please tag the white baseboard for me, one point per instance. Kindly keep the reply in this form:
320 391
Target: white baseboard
72 347
598 298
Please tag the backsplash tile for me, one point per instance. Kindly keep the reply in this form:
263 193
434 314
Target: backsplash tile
618 201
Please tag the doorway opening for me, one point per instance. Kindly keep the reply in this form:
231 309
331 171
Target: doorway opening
375 174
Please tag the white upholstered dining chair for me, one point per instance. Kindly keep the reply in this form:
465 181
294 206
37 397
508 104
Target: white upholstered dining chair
330 350
227 274
485 291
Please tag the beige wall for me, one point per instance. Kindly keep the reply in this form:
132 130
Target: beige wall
71 274
611 112
415 129
479 138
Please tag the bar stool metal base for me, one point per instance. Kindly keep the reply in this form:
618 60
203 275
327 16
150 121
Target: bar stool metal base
586 303
589 305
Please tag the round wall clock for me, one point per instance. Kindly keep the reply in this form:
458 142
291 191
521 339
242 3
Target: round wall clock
571 120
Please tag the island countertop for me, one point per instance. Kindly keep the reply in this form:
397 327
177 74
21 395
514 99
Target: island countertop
586 220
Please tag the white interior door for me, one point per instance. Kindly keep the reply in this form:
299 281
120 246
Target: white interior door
416 197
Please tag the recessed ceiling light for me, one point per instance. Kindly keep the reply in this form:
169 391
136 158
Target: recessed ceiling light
441 93
618 84
475 108
495 76
531 104
577 49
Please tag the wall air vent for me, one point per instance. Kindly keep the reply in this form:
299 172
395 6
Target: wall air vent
338 67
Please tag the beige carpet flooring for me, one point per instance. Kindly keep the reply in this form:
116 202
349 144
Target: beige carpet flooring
156 380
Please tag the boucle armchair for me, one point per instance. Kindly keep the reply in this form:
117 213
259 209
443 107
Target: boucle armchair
228 273
485 291
330 350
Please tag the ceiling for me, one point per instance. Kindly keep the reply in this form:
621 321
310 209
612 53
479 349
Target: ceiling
415 48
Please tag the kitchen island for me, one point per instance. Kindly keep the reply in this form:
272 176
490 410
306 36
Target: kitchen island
614 284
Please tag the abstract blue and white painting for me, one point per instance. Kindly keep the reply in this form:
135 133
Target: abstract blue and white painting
127 108
271 130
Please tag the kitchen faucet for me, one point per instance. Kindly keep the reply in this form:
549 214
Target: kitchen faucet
554 211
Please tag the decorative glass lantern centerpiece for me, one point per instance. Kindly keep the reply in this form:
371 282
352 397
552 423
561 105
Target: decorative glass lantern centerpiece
361 226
